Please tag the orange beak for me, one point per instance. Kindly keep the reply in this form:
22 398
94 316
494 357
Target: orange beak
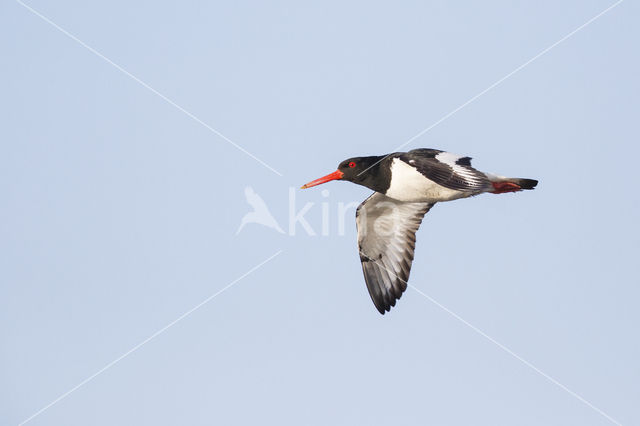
331 176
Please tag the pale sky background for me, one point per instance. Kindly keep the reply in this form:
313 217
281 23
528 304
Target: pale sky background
119 213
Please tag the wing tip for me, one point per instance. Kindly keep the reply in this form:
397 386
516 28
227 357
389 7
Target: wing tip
464 161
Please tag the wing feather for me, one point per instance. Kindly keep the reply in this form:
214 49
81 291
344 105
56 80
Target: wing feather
449 170
386 240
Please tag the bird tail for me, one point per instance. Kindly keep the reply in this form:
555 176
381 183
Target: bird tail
503 184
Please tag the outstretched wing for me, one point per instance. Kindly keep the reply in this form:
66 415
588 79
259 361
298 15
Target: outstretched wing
449 170
386 241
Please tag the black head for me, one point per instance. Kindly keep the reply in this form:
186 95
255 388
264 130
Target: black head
359 169
366 171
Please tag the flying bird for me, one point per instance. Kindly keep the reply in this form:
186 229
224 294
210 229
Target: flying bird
406 185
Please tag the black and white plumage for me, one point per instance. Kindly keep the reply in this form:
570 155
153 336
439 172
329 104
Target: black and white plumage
407 185
449 170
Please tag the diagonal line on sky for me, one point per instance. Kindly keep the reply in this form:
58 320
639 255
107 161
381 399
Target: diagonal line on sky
148 339
515 355
145 85
448 115
500 345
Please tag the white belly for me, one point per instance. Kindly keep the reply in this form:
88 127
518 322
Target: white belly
408 184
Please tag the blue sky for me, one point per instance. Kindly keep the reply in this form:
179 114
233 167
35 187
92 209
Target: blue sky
122 198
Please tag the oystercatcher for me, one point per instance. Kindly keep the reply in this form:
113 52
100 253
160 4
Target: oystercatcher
406 185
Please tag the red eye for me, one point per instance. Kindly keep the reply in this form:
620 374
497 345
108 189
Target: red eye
352 164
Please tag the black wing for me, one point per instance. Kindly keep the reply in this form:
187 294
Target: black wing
449 170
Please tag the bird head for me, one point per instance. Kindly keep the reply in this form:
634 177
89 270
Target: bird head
360 170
